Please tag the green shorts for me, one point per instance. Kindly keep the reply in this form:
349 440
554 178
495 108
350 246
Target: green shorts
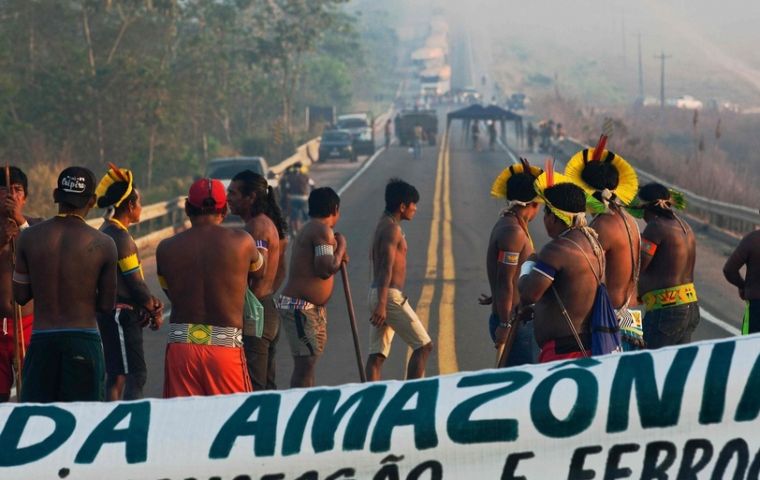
64 365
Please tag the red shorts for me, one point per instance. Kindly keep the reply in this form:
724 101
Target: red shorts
204 370
6 350
549 353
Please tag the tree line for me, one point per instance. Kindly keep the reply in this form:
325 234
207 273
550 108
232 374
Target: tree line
161 86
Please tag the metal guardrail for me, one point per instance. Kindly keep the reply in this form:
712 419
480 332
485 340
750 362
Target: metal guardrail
734 219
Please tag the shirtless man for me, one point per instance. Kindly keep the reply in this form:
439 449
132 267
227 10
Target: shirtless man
613 184
747 253
666 287
69 268
316 256
390 308
509 246
254 201
204 272
122 329
567 267
12 221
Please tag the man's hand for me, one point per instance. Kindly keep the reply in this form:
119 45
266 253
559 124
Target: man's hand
485 299
379 315
501 335
153 314
12 209
341 244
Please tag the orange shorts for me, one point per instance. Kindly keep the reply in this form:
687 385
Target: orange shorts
7 341
204 370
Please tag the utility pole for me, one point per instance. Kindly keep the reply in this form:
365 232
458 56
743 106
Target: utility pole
662 57
624 47
641 73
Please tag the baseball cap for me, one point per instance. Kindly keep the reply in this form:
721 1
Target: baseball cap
76 186
206 193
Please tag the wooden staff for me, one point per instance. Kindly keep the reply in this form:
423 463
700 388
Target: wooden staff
352 318
506 348
19 346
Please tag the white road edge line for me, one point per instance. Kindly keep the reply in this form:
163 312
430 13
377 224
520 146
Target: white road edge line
718 322
703 313
359 173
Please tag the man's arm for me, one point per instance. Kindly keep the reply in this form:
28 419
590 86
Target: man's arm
279 277
106 288
131 272
258 231
22 283
735 262
508 246
329 252
159 262
257 267
651 238
387 246
536 277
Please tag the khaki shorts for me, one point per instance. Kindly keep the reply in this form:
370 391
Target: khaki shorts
400 319
306 329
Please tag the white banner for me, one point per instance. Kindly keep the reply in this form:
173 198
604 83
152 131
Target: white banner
688 412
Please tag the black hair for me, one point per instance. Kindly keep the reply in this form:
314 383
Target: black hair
650 193
601 175
208 208
567 196
323 202
398 192
17 176
266 202
520 187
114 193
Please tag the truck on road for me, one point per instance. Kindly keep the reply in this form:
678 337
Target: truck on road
408 119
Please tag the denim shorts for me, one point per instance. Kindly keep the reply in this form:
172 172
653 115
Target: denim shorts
670 326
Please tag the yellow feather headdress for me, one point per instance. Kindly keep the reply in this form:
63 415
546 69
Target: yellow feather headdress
548 179
628 181
115 175
499 186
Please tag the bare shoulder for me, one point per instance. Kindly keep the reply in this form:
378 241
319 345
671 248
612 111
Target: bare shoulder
557 254
98 242
510 237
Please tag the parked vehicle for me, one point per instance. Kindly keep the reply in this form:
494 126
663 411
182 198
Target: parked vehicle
225 168
336 144
362 133
408 119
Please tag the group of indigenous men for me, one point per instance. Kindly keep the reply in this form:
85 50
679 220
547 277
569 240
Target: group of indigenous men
84 301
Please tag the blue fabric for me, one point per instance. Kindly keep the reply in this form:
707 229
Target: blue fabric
545 268
605 331
670 326
524 349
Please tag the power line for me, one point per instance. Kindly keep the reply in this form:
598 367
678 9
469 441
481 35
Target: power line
662 57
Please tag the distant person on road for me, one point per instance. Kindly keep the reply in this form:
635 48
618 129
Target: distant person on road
387 133
389 306
531 137
747 253
419 137
251 198
509 247
475 132
205 272
296 186
69 269
12 222
316 256
122 328
563 278
492 135
668 254
613 184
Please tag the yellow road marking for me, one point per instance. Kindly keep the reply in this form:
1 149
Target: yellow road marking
431 268
447 355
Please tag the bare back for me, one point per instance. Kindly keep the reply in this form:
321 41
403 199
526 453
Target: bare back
575 283
206 272
747 254
673 262
262 229
72 270
389 249
303 281
621 249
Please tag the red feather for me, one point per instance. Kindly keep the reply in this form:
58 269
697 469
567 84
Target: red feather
599 148
549 169
117 172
